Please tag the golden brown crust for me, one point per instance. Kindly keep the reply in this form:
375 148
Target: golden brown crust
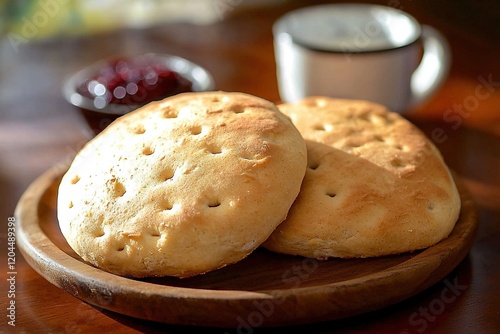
182 186
375 184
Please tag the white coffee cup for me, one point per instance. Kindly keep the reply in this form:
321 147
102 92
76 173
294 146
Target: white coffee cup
359 51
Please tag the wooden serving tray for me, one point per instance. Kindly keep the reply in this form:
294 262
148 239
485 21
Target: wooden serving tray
265 289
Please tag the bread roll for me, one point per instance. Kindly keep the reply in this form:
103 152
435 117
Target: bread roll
182 186
375 184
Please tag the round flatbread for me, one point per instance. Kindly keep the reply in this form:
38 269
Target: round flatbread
182 186
375 184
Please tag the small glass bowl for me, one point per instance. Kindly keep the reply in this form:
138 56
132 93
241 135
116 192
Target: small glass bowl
99 115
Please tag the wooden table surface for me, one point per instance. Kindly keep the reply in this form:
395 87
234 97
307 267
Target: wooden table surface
38 129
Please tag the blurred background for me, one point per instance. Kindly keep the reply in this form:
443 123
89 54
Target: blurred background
38 19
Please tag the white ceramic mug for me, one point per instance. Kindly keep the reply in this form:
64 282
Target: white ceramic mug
359 51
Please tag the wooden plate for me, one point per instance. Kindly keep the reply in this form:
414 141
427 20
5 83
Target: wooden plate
265 289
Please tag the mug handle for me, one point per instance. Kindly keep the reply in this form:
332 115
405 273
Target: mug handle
433 68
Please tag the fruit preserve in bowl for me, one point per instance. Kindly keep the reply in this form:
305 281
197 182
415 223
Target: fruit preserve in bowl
113 87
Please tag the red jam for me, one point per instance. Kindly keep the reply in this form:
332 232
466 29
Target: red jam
133 82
